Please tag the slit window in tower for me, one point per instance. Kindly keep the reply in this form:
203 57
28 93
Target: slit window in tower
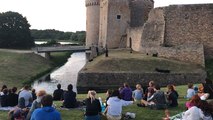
118 17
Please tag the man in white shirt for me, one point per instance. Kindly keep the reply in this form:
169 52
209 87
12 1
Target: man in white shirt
26 94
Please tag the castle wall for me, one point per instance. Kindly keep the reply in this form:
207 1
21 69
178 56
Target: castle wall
154 28
191 53
135 34
190 24
103 81
92 22
103 22
114 25
139 10
153 41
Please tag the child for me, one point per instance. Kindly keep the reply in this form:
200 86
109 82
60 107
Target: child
190 91
138 93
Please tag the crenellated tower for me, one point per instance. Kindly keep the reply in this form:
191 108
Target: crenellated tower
92 22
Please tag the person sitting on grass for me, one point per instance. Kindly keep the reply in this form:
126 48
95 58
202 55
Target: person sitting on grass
190 91
138 93
201 93
33 92
13 97
47 112
195 100
3 87
4 98
70 98
149 91
93 107
157 100
126 92
208 88
115 104
58 93
108 95
172 96
27 96
200 111
36 103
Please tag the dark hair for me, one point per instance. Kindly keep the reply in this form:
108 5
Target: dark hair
195 100
5 91
116 93
9 91
205 107
126 84
47 100
3 87
190 85
33 90
70 87
208 81
109 91
14 89
59 86
152 83
157 87
26 87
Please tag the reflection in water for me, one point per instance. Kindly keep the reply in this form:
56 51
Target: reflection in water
67 74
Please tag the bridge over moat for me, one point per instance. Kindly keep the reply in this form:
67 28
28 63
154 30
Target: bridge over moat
48 50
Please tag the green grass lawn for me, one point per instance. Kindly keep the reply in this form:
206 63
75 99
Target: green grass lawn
141 113
122 60
17 69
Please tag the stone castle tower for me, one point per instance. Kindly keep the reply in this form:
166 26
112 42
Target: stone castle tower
92 23
109 20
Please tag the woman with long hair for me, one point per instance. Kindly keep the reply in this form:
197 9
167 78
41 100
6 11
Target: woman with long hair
93 107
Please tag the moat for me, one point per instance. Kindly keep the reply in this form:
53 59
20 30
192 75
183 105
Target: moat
66 74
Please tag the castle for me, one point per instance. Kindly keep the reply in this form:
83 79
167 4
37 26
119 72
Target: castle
179 32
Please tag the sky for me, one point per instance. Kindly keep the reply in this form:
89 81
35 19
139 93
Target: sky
64 15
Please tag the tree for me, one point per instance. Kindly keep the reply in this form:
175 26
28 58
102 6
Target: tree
14 31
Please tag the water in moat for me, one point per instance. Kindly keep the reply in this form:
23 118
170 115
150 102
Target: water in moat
65 75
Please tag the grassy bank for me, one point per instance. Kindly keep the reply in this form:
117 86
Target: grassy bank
17 69
122 60
141 113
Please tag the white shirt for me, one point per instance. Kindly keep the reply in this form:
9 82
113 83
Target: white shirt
190 93
26 95
194 113
115 106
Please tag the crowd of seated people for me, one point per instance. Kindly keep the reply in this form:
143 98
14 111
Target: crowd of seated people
32 105
8 97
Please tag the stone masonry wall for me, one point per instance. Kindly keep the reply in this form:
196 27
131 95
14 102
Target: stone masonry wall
154 29
92 23
139 10
114 25
187 24
135 34
154 41
191 53
104 81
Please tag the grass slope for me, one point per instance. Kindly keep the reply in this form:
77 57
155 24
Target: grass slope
19 68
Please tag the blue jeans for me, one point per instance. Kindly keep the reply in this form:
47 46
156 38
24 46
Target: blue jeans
95 117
